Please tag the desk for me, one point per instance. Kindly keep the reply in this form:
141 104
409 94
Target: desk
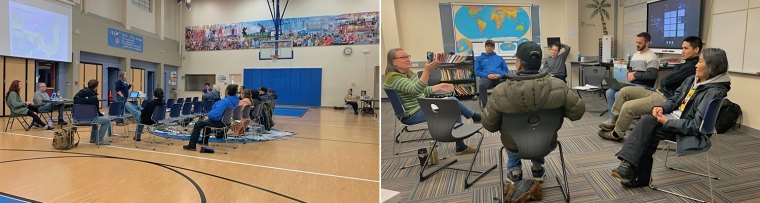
367 105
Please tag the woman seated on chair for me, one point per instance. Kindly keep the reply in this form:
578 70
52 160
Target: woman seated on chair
398 77
245 100
144 116
680 116
351 100
20 107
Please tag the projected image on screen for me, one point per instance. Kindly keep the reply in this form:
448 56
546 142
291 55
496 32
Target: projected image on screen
37 33
670 21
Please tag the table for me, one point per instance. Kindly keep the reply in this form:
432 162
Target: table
580 70
367 105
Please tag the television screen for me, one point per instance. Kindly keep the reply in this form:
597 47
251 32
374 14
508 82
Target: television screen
670 21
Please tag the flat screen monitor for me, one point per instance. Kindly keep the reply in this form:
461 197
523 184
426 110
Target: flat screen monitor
134 94
671 21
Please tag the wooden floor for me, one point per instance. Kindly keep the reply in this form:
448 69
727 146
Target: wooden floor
332 158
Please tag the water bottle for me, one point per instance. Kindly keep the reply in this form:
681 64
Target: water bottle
55 95
50 122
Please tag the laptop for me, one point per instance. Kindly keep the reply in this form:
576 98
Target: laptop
615 85
134 94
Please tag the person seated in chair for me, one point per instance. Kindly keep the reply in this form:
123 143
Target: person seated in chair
398 77
679 116
635 101
489 68
555 64
351 100
144 116
212 95
271 93
529 90
643 69
215 116
18 106
89 96
245 100
40 98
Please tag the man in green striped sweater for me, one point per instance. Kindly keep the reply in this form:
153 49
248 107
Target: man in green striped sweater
398 77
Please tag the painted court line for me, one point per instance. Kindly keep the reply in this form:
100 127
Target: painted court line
225 161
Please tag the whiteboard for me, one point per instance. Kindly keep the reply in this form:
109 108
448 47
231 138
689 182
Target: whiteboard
728 33
751 52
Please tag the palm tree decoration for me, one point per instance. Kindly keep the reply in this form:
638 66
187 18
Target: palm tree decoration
599 8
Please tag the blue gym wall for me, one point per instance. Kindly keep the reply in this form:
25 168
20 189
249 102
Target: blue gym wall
294 86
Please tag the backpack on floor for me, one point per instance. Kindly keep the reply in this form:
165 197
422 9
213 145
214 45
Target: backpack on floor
523 191
728 116
63 139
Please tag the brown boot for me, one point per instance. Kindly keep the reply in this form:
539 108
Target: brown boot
609 124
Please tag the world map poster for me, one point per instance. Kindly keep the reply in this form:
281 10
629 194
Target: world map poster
508 26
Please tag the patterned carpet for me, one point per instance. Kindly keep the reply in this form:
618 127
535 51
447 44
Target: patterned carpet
589 160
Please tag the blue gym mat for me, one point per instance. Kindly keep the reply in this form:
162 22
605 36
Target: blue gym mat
283 111
8 198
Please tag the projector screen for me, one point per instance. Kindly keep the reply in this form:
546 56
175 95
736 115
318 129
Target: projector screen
671 21
37 29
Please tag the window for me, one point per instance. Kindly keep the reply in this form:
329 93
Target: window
194 82
143 4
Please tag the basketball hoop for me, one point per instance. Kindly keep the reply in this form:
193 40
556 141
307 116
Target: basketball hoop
274 57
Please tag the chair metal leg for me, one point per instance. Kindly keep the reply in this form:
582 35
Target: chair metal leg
708 176
501 174
467 184
424 177
563 186
8 123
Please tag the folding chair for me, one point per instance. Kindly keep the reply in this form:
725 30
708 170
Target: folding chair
237 118
594 75
226 119
441 116
197 109
158 116
706 129
169 103
187 112
195 99
116 112
17 117
84 115
180 101
535 134
255 116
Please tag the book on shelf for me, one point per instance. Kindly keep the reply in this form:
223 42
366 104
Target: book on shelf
467 89
446 57
449 74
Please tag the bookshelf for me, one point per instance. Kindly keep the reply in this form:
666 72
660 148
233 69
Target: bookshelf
461 75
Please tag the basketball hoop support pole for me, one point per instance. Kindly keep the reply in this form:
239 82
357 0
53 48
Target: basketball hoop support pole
277 19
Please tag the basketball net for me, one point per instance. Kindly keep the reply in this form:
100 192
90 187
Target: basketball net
274 57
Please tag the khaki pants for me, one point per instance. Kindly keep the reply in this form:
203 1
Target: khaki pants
633 102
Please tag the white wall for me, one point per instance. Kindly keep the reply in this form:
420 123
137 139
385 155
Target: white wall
416 25
338 72
171 26
113 10
139 18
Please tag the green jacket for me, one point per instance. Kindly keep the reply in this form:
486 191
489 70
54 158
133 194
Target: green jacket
527 93
15 103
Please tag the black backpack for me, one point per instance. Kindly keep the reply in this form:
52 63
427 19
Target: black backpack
728 116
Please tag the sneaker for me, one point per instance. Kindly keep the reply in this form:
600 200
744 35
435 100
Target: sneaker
47 127
136 139
609 124
624 171
515 175
469 150
610 135
476 118
188 147
538 172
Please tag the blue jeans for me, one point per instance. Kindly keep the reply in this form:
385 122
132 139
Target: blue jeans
611 94
105 126
49 107
419 117
123 101
136 112
514 162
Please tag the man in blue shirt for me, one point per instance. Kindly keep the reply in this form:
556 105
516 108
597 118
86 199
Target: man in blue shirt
489 68
215 116
122 91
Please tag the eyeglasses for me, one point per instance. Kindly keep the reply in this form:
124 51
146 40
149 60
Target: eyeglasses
404 57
